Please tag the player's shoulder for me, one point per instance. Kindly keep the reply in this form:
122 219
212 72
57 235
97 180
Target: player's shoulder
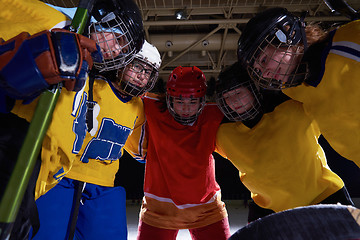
211 110
152 96
345 33
155 98
211 106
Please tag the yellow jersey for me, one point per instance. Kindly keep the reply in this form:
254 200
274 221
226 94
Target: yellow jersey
334 102
279 159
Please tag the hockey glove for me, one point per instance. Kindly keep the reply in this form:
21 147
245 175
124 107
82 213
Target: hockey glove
29 64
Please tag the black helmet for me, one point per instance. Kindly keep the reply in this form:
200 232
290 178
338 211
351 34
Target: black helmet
282 30
267 23
236 103
122 18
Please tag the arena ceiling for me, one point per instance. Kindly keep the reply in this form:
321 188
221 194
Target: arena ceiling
207 34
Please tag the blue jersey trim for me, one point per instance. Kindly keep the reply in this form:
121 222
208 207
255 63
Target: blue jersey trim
116 92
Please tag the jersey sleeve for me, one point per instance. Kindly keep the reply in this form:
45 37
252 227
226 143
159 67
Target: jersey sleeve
218 148
136 144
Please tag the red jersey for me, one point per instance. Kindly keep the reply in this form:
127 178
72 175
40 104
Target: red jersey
180 187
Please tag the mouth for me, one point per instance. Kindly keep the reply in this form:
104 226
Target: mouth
138 84
277 75
239 107
185 115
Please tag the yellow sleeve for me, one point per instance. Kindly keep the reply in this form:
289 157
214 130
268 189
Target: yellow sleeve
30 16
334 103
218 148
136 144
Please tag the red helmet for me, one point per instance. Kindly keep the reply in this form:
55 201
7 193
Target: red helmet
186 82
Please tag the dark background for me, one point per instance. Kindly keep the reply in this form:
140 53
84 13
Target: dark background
131 175
347 170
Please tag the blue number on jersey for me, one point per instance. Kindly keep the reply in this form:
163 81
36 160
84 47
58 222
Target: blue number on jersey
59 175
79 126
108 143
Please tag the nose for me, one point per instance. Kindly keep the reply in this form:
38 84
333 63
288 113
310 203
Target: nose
238 103
268 73
185 108
141 75
272 70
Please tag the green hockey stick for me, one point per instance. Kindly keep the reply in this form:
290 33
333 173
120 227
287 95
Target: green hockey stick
29 152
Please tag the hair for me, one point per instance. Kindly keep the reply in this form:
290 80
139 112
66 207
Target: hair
315 33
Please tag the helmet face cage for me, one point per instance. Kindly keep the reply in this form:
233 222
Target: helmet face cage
247 103
277 65
141 68
185 120
112 35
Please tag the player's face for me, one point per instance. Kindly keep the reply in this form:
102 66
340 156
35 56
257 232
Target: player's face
111 44
186 107
239 99
137 73
276 63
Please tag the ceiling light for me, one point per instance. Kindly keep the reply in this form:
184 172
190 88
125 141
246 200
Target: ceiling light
181 14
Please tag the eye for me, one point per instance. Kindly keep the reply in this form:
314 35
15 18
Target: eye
263 59
241 92
147 72
137 67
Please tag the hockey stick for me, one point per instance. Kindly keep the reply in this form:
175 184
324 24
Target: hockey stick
342 7
30 149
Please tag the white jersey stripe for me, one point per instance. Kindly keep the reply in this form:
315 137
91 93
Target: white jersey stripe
346 49
161 199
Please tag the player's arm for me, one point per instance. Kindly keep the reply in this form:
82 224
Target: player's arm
218 148
30 64
137 143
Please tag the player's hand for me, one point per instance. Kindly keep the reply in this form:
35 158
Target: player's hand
29 64
74 55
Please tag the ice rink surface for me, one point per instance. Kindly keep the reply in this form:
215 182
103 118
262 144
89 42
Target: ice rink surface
236 210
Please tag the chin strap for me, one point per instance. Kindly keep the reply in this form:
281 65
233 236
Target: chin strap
90 103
